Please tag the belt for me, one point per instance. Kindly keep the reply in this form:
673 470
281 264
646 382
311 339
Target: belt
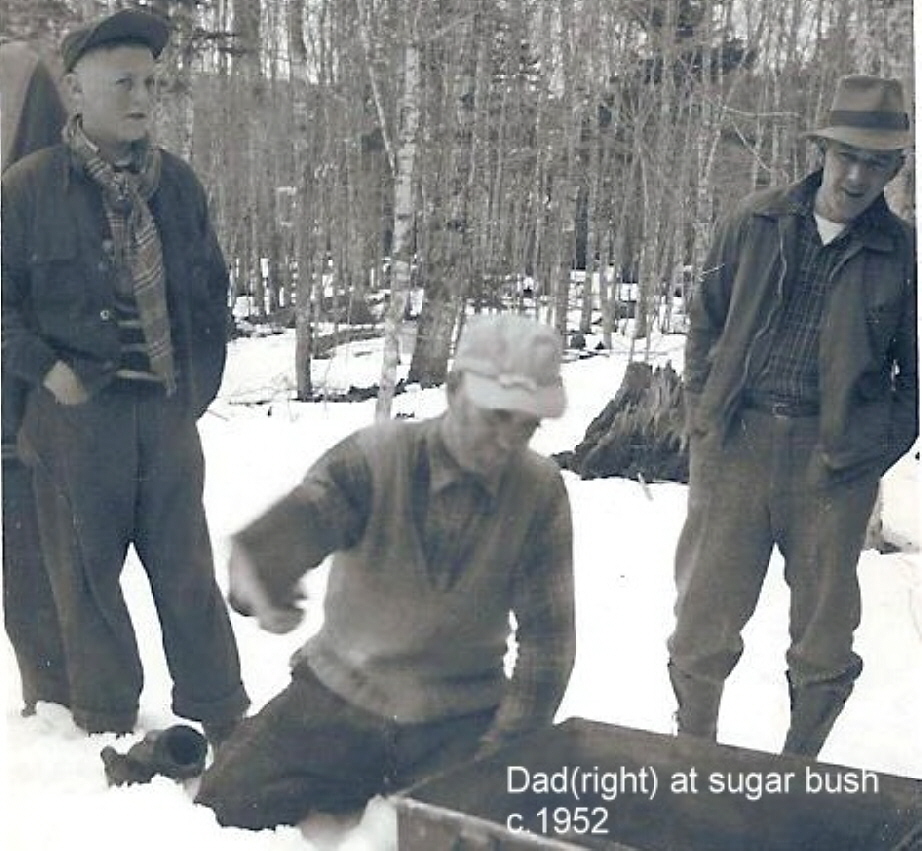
137 387
782 407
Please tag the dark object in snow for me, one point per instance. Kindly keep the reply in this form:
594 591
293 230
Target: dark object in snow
639 433
321 394
177 752
354 394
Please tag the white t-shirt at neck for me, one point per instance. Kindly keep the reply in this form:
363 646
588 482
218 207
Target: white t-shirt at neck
828 230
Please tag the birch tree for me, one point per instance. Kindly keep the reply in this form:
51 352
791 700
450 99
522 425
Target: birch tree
404 209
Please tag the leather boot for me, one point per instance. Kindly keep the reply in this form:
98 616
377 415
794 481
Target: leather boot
177 752
698 704
814 710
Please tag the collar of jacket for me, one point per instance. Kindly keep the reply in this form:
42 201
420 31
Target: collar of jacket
71 167
61 162
876 228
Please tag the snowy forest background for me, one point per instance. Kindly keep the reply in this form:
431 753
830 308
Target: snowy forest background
481 152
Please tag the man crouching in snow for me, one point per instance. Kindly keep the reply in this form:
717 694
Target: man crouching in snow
440 529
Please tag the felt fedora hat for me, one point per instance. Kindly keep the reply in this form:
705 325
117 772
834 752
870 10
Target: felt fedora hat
867 112
125 26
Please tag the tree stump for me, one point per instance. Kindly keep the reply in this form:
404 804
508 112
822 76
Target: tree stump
639 433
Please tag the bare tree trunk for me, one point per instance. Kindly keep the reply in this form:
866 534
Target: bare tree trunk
448 254
566 187
303 296
404 214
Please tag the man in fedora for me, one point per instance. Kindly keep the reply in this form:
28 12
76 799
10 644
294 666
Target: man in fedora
439 529
801 390
114 318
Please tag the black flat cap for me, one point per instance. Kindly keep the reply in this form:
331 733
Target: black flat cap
127 25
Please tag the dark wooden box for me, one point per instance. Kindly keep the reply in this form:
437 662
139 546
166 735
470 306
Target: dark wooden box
584 784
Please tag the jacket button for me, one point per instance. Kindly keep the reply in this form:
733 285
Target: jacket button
105 314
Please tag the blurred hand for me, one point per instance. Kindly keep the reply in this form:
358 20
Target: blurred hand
65 385
247 596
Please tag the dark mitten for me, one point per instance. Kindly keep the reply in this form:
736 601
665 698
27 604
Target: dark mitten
177 752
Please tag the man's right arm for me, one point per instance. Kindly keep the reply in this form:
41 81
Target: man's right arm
326 512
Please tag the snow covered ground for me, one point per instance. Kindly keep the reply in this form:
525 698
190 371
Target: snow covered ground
56 795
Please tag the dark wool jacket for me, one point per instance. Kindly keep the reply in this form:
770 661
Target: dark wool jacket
869 392
58 281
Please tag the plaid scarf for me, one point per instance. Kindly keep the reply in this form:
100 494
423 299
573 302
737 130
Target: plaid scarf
136 241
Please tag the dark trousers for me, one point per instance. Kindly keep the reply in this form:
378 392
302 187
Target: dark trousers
762 489
29 613
127 468
309 750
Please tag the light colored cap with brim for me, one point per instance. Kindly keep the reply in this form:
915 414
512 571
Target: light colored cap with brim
125 26
511 362
867 112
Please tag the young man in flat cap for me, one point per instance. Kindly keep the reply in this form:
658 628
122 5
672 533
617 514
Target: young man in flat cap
802 389
439 530
114 310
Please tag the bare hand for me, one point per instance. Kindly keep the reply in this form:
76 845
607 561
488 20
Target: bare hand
248 596
65 385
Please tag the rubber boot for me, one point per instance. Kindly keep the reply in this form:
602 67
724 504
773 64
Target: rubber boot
814 710
698 704
177 752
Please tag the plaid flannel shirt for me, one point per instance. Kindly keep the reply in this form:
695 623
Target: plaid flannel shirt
791 370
